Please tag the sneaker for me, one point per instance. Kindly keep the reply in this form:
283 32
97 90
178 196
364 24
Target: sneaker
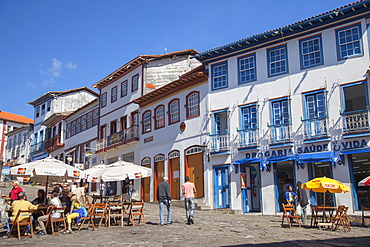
191 220
162 224
42 232
6 236
171 222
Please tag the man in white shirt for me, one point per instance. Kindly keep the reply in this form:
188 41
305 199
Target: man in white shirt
54 203
80 193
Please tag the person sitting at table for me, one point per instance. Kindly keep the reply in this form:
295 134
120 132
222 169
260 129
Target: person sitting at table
40 199
77 211
54 203
20 204
66 200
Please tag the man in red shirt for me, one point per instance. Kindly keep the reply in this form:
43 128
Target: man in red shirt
188 190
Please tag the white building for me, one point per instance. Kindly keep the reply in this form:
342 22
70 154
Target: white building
18 147
174 129
10 148
55 103
119 117
290 105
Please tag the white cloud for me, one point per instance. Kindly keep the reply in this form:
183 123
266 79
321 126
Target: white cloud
31 84
71 65
49 82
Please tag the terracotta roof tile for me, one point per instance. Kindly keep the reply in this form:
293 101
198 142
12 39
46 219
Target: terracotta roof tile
14 117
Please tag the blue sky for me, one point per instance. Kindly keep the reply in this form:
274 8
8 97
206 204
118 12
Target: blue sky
56 45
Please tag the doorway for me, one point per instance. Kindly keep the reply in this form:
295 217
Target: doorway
158 173
195 170
221 186
321 169
250 187
174 174
284 177
145 187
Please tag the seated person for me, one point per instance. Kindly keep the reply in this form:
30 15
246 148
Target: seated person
66 201
76 212
20 204
54 203
13 194
40 199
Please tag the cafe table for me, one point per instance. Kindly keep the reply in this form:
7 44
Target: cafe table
321 213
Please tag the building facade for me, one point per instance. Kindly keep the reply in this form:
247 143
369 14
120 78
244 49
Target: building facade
55 105
290 105
11 149
119 120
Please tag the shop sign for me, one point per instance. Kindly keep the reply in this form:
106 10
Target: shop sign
349 145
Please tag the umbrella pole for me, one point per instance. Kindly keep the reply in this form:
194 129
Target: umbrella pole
46 189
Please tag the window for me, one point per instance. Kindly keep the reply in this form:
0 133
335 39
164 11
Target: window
10 143
174 109
349 42
277 61
83 123
123 88
315 105
134 118
311 52
42 109
19 138
89 120
73 128
159 117
147 122
48 106
69 130
113 96
220 122
219 76
78 125
280 112
135 83
104 100
192 104
355 97
247 69
95 117
24 138
37 111
113 127
249 117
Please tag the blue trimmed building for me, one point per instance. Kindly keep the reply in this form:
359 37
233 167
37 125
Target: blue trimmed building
289 105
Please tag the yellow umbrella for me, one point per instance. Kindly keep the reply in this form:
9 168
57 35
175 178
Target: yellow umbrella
324 184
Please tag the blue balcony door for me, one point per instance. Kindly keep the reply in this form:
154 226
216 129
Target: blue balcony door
315 109
280 119
221 187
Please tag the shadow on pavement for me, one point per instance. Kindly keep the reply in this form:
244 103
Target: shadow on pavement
349 241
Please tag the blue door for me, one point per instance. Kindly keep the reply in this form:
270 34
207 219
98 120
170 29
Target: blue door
221 187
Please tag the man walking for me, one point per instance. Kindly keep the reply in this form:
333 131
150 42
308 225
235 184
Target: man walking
81 194
164 198
302 200
188 190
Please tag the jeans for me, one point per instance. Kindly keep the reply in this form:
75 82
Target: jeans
130 195
304 213
7 223
161 211
189 207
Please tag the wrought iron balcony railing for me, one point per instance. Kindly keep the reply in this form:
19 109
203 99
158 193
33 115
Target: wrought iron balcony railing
220 142
315 128
124 136
355 122
54 142
280 133
248 138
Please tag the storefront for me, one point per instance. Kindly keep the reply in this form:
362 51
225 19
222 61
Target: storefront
359 166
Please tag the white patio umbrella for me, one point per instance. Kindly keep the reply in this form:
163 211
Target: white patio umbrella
95 173
121 169
46 170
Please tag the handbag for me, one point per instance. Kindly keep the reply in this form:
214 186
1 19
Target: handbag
298 210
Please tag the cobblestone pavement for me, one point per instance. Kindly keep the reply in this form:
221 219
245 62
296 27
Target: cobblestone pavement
210 229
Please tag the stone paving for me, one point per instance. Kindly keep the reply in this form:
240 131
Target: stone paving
210 229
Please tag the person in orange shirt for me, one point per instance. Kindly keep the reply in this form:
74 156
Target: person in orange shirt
188 190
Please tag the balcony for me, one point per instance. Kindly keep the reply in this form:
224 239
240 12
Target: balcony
315 128
355 122
37 147
53 143
280 134
122 137
220 142
248 138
